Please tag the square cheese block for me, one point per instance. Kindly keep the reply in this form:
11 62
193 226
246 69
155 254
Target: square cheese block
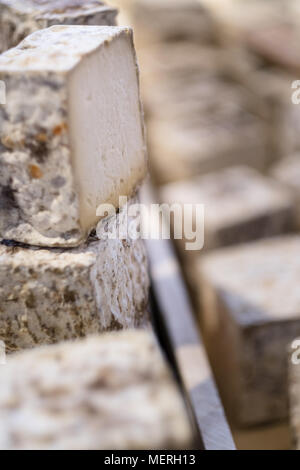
211 138
294 392
250 312
18 18
71 133
180 59
235 19
240 205
272 94
277 44
50 295
112 392
287 172
170 20
179 81
288 127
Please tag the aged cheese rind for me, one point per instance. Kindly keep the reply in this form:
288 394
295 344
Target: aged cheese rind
67 148
250 315
50 295
113 392
18 18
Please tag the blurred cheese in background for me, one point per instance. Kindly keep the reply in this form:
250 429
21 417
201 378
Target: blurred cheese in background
240 205
181 150
287 172
234 18
172 20
219 95
263 39
228 55
250 315
192 102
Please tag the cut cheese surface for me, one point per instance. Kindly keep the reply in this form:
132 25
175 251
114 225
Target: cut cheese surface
72 133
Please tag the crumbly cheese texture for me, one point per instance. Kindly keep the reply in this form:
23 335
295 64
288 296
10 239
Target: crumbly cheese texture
50 295
113 392
250 315
72 133
18 18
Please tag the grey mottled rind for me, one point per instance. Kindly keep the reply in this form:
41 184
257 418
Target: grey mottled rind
250 315
36 174
39 194
47 296
18 18
113 392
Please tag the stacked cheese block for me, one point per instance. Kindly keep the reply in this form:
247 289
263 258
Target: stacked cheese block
72 139
18 18
110 392
71 145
